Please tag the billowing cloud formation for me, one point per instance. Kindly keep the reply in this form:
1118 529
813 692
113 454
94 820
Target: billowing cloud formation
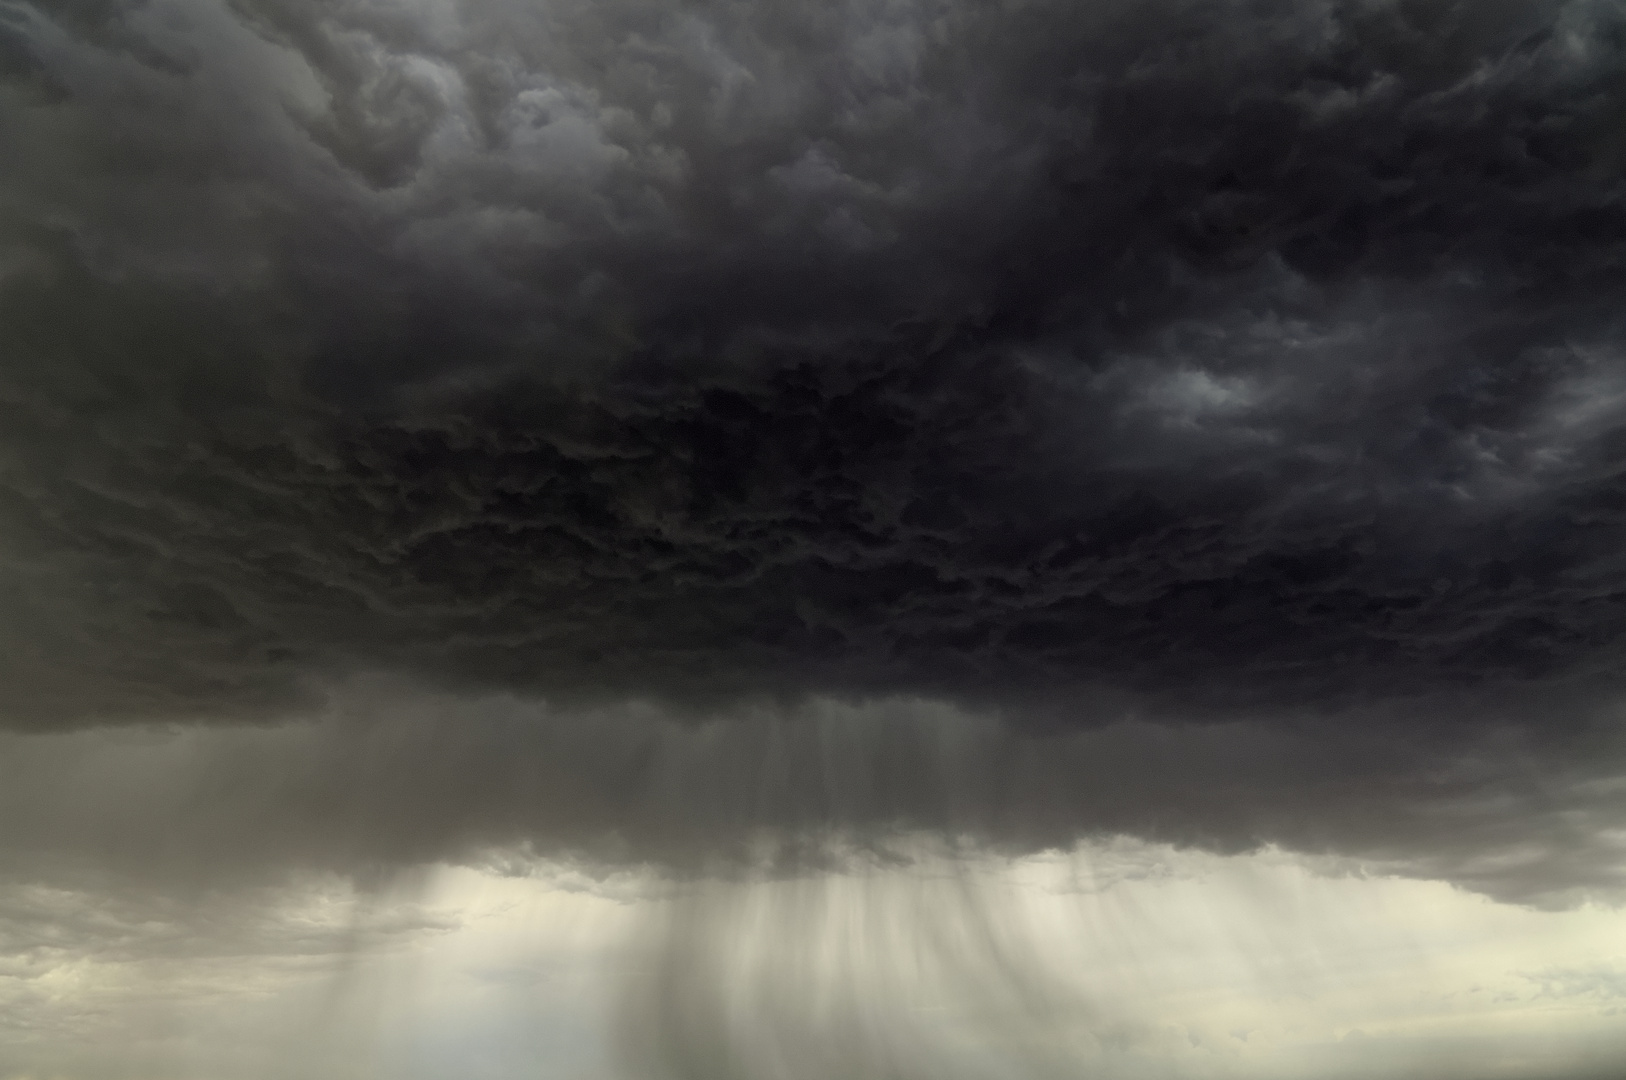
741 440
1194 353
883 379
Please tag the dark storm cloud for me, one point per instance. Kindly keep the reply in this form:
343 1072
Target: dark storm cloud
1259 363
1261 354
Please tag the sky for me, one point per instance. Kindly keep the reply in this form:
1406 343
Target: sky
874 540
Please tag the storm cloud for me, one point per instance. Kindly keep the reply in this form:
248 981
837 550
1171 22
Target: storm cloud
730 442
758 449
1202 354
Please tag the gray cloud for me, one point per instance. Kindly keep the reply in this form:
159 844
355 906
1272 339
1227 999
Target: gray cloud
398 777
742 441
1097 370
1253 357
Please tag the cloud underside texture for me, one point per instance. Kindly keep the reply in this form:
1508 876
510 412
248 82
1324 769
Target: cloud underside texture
1193 361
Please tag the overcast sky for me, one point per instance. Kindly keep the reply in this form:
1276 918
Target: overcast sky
805 458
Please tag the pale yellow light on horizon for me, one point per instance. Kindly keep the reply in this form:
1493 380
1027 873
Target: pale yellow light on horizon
1120 959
